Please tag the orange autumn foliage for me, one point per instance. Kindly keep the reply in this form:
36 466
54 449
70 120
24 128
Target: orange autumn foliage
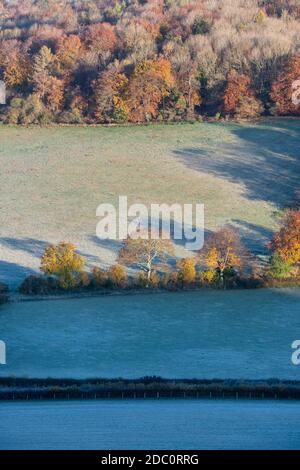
109 90
17 71
101 39
286 87
224 250
239 98
149 84
69 50
186 270
287 241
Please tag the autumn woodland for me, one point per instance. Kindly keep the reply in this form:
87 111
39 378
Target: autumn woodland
114 61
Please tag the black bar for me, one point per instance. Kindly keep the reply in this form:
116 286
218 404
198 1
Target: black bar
138 459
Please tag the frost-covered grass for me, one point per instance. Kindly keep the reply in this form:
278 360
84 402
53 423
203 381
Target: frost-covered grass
210 334
153 424
52 180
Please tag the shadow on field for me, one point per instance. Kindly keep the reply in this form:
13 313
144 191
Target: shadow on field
13 274
255 237
111 245
265 159
28 245
181 234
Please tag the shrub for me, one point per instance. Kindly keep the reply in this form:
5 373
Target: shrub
99 277
117 276
84 279
71 117
28 111
38 285
170 281
208 277
278 267
3 293
154 279
144 281
186 270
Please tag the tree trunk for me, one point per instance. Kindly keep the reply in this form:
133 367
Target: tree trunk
222 278
148 274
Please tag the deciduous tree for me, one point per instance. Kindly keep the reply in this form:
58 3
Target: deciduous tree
224 251
117 275
186 270
286 90
62 261
109 90
148 86
42 69
17 71
68 53
145 253
287 241
239 99
101 40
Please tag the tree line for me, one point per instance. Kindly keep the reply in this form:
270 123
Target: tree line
118 61
224 262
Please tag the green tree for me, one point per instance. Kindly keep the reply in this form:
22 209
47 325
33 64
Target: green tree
278 267
201 26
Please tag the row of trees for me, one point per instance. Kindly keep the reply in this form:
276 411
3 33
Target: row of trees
144 60
224 260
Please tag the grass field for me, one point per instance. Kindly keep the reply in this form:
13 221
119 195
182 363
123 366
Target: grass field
53 179
208 334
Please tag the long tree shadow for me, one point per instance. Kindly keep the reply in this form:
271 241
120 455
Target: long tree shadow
13 274
265 160
28 245
34 247
255 237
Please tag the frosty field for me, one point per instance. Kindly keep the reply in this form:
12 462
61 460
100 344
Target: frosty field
208 334
151 424
53 179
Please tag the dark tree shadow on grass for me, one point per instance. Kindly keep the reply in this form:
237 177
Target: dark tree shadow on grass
13 274
255 237
266 160
34 247
183 238
28 245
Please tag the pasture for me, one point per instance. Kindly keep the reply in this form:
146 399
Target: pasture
53 179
